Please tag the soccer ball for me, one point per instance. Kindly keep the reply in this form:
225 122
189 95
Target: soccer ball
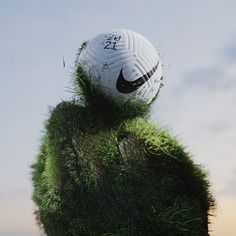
123 65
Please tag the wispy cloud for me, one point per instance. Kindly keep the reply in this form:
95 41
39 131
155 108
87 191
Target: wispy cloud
215 77
217 127
229 52
219 75
209 77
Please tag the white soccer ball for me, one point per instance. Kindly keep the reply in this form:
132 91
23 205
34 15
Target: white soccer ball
123 65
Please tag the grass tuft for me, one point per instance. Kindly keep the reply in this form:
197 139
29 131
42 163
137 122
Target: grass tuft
102 104
93 177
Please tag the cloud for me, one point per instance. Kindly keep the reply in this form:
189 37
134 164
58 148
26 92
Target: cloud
230 53
214 77
219 75
217 127
208 77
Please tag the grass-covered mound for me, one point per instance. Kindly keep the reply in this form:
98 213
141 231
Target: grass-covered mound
96 175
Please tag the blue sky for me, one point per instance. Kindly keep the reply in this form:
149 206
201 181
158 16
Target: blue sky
197 43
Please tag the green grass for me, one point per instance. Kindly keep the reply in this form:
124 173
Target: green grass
97 101
98 173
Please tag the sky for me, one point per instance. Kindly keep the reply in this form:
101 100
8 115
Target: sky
197 45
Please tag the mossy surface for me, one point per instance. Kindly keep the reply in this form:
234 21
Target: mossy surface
97 175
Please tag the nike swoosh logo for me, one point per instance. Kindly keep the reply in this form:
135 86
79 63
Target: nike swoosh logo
124 86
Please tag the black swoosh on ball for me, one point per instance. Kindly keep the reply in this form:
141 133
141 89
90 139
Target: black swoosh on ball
124 86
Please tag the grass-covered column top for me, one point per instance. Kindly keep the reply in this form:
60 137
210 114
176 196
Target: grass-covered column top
104 169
